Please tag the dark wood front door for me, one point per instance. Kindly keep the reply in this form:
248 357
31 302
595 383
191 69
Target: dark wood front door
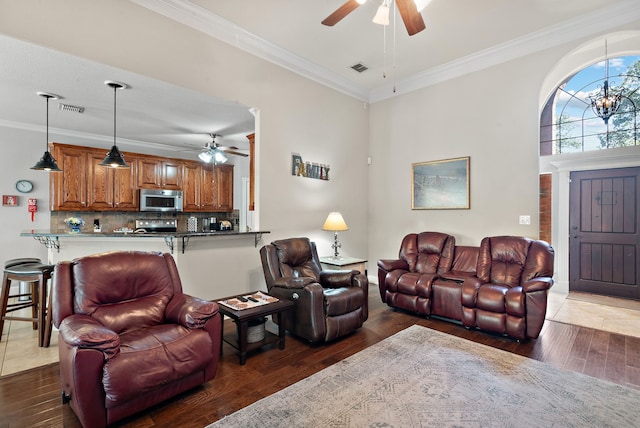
604 209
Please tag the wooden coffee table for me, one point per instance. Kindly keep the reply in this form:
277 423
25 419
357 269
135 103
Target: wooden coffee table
242 317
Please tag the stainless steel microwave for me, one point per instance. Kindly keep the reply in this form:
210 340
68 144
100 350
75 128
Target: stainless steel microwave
160 200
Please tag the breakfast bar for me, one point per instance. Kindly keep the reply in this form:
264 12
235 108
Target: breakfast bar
203 258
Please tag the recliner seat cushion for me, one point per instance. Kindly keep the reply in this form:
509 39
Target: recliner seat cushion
153 356
415 284
342 300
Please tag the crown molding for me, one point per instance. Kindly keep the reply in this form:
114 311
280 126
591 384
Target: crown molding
215 26
87 136
589 24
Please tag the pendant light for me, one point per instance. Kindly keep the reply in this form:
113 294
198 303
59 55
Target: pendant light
114 158
47 162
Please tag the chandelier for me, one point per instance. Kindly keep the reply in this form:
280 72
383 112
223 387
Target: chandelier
605 103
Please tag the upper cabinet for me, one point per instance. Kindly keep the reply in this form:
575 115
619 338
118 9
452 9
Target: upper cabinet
84 185
223 188
69 187
156 173
207 187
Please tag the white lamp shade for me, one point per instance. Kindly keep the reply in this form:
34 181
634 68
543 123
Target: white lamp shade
335 222
382 15
421 4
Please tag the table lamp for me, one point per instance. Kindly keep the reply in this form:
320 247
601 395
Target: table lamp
335 223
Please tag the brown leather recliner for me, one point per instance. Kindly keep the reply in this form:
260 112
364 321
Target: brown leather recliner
328 303
406 282
509 293
129 338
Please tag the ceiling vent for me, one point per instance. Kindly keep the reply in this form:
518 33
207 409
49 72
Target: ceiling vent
67 107
360 67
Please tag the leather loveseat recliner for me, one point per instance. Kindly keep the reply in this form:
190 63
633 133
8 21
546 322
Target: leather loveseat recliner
129 337
328 303
508 295
500 286
406 282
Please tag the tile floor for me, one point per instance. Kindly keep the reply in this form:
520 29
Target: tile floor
19 348
19 345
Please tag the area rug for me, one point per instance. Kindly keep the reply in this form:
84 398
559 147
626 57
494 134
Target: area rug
423 378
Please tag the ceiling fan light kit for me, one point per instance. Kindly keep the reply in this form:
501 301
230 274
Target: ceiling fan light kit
409 11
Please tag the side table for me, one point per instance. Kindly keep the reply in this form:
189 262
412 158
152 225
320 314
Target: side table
243 316
344 263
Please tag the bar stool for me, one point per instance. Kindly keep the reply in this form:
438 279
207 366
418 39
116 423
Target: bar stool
29 270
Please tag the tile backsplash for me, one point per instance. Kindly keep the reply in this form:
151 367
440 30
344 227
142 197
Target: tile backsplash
110 220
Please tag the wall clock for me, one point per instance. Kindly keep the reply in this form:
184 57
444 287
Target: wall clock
24 186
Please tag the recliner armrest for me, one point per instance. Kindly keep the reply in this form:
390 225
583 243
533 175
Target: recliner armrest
537 284
299 282
190 311
389 265
337 278
82 331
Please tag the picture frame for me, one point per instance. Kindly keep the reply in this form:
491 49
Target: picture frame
10 200
441 184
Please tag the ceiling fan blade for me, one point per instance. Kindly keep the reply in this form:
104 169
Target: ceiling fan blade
410 16
233 152
340 13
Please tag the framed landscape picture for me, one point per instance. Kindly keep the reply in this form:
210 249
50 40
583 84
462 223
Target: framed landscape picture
440 185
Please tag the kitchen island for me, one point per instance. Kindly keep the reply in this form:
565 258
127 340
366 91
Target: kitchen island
211 264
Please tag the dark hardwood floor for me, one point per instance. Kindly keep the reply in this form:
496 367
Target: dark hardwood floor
32 398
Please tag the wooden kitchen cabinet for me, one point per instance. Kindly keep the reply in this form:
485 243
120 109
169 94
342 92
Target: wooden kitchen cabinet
125 192
85 185
198 189
155 173
69 187
223 188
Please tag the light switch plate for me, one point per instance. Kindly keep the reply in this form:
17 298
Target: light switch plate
525 219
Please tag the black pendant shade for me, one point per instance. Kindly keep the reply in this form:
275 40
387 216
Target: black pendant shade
47 162
114 158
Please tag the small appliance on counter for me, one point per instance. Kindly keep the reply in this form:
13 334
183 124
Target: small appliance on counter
219 225
225 225
156 226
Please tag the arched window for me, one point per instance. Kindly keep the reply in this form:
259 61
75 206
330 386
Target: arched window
569 123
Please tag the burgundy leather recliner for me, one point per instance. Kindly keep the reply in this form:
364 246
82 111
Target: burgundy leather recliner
129 337
508 295
406 282
328 303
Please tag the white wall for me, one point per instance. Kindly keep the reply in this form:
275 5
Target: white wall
19 151
493 116
489 116
297 115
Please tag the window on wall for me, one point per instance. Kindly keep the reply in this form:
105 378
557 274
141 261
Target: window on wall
569 123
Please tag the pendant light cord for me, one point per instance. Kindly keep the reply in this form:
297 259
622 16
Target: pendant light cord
115 89
46 143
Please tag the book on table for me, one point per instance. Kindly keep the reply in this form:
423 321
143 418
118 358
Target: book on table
248 301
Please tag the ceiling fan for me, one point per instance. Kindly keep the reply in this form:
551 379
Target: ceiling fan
214 152
409 10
